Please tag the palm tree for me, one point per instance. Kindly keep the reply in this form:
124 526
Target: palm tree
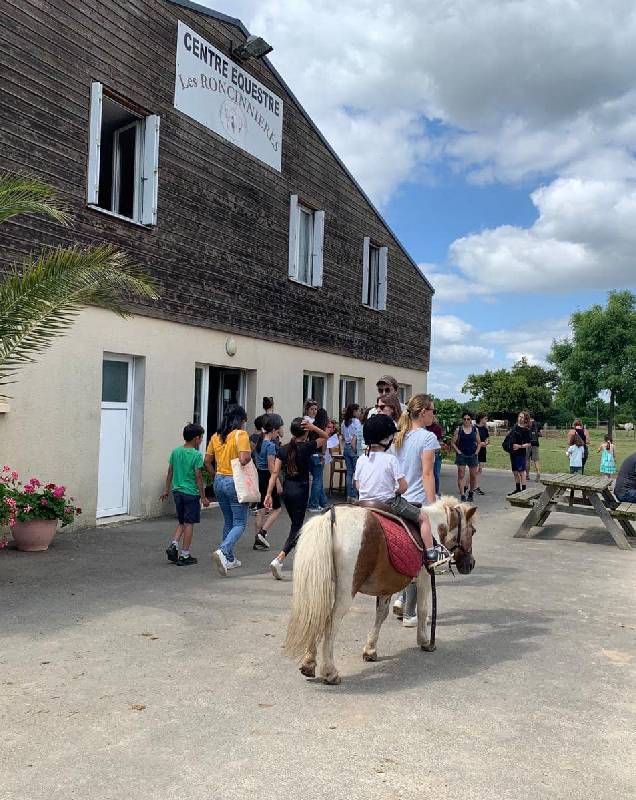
41 299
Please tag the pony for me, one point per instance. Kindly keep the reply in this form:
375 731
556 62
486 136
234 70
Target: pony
345 552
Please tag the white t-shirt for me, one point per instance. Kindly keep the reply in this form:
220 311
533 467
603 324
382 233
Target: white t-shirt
410 458
378 475
351 430
576 455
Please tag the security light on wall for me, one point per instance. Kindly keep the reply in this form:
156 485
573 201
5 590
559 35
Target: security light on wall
254 47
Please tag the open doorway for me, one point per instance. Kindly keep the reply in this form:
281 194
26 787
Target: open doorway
216 388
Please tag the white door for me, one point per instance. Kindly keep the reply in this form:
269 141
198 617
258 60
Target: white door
113 487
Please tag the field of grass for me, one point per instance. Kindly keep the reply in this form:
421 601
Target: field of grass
553 447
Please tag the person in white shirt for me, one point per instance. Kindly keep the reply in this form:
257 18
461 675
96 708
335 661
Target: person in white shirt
576 452
380 477
386 385
415 448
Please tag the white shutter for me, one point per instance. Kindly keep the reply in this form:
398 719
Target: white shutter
94 144
293 236
319 237
365 270
384 258
150 176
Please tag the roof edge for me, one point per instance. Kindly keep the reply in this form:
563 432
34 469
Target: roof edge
193 6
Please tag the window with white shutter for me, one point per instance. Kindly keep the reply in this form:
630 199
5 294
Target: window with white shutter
374 275
123 159
306 243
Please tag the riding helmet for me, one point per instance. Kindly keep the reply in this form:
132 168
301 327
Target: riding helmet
378 429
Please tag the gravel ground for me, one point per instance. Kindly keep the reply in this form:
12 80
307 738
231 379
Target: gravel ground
123 676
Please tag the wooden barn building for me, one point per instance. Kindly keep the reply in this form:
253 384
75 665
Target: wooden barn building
168 134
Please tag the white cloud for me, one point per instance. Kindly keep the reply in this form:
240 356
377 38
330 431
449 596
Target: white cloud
532 340
539 91
527 88
584 238
453 342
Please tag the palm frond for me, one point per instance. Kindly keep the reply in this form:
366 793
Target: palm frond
41 301
22 194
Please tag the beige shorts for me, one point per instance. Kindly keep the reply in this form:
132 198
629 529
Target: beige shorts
533 453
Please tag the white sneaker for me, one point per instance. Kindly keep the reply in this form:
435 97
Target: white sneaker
277 569
398 605
233 564
221 562
410 622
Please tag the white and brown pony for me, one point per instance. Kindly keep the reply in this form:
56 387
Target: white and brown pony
336 559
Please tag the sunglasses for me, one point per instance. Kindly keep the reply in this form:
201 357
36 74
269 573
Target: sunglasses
470 418
385 390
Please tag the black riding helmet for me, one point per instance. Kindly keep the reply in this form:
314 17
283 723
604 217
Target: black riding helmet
379 429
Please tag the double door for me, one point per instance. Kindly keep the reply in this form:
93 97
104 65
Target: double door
215 388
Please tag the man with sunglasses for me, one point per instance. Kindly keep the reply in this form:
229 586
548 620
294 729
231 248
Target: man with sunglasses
386 385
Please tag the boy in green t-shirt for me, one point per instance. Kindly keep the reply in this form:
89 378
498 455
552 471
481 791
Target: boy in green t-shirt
184 477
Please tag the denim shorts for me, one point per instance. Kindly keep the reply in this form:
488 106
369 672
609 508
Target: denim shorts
466 461
188 508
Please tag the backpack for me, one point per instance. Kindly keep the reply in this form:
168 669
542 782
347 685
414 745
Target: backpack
508 441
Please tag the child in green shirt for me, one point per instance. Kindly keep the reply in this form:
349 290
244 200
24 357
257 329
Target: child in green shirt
185 479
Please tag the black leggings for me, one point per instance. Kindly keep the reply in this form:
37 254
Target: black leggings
296 497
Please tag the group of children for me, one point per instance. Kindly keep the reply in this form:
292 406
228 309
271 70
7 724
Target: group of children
378 476
576 455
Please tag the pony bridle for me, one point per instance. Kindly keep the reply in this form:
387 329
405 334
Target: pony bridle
458 543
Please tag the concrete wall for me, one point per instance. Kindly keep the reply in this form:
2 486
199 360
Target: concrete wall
52 428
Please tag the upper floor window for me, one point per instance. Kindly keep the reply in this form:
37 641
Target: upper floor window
374 275
306 237
123 159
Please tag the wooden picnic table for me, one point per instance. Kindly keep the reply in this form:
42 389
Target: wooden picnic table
595 500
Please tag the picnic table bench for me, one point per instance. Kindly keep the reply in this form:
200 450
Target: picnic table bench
560 493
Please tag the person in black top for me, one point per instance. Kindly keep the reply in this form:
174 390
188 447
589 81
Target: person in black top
625 489
482 428
533 450
296 460
518 454
466 444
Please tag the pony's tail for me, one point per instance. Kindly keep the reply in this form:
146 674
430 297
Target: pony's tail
313 588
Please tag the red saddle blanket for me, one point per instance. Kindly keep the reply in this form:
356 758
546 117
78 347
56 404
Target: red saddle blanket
403 554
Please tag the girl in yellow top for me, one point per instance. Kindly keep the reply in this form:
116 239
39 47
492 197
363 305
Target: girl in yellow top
229 442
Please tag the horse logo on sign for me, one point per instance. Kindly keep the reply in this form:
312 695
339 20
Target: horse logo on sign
233 120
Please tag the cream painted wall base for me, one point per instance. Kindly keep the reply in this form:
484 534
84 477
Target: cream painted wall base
53 428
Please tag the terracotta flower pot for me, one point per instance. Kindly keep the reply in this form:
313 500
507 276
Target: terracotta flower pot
34 535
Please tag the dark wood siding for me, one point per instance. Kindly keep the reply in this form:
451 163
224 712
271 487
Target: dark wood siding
220 249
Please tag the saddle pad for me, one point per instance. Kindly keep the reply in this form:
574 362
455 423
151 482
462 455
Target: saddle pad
404 556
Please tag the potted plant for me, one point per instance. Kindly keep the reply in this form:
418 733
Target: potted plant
33 510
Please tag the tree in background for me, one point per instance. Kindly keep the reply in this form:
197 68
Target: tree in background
503 393
600 356
448 413
40 300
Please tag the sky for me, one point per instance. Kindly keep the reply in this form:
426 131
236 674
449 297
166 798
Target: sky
498 140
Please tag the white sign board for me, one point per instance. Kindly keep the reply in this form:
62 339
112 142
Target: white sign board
216 92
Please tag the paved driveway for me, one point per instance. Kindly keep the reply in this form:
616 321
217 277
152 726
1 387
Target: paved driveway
124 677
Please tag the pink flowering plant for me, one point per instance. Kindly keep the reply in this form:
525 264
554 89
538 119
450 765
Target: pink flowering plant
20 502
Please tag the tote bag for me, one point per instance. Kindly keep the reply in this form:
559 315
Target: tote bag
245 480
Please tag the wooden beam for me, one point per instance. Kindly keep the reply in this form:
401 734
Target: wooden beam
615 531
538 512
